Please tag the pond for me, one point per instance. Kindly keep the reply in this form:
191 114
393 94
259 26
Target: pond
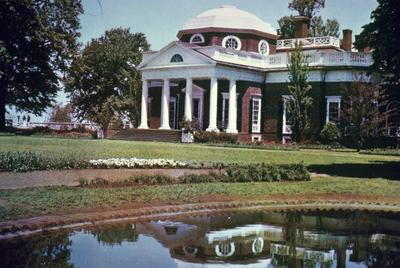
245 239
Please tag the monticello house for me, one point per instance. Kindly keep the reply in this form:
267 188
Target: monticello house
228 70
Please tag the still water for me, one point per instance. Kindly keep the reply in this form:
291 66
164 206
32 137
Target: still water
246 239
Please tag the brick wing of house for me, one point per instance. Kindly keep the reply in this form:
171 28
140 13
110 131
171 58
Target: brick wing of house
228 71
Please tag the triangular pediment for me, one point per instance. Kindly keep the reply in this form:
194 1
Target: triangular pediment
163 57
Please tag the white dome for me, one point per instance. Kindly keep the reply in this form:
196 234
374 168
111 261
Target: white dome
228 17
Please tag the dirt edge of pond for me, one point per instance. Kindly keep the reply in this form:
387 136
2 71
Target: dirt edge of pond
163 211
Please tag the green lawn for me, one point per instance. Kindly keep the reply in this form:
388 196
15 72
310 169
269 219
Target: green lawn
47 200
346 164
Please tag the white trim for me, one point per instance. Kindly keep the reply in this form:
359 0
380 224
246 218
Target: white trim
197 35
198 93
329 100
225 102
259 47
286 129
220 253
256 128
233 37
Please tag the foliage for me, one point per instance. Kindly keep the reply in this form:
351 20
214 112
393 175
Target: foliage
29 161
137 163
383 36
299 89
330 133
61 114
394 152
287 27
102 80
265 172
190 126
320 28
307 8
215 137
362 116
37 41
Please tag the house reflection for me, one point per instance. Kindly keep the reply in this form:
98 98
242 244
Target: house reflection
278 240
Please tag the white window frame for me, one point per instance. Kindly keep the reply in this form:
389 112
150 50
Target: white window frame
198 93
286 129
329 100
226 38
197 35
256 128
225 102
176 62
259 47
172 115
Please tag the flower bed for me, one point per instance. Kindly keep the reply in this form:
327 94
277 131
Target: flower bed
137 163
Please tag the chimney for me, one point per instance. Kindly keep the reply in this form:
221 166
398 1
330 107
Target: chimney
301 26
347 42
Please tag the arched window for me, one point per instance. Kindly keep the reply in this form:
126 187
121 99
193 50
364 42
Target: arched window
197 39
232 42
263 47
177 58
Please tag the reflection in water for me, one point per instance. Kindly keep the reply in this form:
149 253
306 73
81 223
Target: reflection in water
257 239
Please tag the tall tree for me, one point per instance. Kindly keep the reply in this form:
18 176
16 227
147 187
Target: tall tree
287 27
320 28
383 36
37 41
307 8
103 82
363 110
301 103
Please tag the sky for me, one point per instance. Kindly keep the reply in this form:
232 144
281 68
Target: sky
160 20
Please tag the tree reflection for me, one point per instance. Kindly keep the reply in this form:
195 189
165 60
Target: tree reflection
38 251
115 234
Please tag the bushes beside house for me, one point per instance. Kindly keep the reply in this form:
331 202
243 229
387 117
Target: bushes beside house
215 137
330 134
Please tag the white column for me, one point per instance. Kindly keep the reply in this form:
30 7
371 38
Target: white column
232 118
188 99
165 106
213 105
143 112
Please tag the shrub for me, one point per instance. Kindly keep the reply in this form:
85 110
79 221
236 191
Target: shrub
267 172
330 133
215 137
29 161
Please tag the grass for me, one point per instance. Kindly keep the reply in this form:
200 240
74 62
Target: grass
48 200
347 164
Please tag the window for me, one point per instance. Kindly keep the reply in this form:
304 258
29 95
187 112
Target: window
197 39
172 112
177 58
225 110
263 47
232 42
332 108
225 249
287 119
256 115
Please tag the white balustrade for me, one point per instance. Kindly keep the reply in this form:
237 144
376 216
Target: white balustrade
309 42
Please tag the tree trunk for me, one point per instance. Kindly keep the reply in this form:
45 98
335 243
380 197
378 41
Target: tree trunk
2 108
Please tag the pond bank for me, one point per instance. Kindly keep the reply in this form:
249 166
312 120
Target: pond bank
162 211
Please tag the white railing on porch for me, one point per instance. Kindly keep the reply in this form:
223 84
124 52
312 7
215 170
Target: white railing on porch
309 42
280 60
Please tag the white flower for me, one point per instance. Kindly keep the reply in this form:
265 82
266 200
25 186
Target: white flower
136 162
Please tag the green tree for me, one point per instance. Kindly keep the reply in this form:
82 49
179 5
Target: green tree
320 28
103 82
37 41
383 36
363 113
287 27
300 105
307 8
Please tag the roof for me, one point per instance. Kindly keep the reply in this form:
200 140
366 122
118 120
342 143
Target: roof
229 17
